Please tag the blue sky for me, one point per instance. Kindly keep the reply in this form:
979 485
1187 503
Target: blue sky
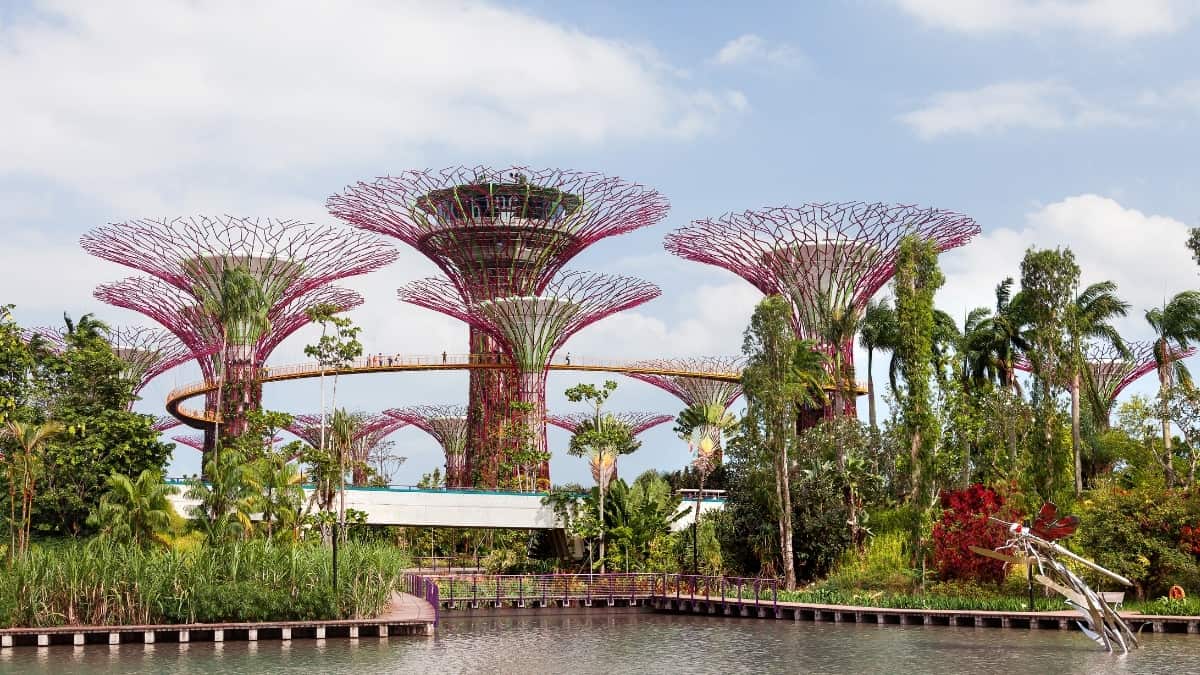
1050 122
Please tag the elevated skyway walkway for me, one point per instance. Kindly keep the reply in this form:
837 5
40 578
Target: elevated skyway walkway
421 507
392 363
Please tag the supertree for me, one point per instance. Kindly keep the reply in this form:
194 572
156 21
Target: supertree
448 426
145 352
605 470
696 391
531 328
497 233
1111 372
285 259
827 259
185 317
165 423
366 436
193 441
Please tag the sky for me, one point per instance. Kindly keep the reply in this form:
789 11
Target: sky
1051 122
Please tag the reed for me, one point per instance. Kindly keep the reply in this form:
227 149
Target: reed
99 583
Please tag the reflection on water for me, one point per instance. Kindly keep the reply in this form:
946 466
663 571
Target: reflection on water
634 642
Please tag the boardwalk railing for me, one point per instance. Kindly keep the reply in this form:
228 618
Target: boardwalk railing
519 589
425 588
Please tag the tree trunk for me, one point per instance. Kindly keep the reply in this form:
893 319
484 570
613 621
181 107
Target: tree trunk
784 492
602 491
1164 387
871 391
915 469
1076 450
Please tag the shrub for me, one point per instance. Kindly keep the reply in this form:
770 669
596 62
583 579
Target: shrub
964 523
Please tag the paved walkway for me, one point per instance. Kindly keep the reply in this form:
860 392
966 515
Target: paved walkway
405 607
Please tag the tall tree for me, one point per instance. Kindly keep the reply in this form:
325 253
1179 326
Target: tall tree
917 280
782 375
877 331
1090 317
703 426
603 439
1049 279
333 351
1176 326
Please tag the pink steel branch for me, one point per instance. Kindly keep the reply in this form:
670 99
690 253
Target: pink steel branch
696 391
288 257
448 426
830 255
146 352
637 422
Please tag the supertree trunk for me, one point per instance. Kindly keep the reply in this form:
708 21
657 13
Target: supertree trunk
532 392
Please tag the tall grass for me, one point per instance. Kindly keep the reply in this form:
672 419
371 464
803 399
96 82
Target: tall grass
73 583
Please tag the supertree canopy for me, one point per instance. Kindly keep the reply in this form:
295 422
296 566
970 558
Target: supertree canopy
531 328
193 441
284 260
696 391
448 426
185 317
827 259
367 433
165 423
145 352
1111 372
604 467
497 233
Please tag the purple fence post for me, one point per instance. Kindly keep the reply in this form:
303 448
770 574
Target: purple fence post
497 590
437 605
520 591
475 590
678 584
775 594
543 581
739 595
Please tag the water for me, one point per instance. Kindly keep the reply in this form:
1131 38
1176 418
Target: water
625 642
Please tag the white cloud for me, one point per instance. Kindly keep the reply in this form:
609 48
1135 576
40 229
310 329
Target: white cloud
1143 253
127 101
1185 95
1007 105
1115 18
753 49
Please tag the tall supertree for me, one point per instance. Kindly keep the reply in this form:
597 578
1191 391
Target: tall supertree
367 435
286 260
185 317
448 426
497 233
1111 372
531 328
696 391
827 259
604 470
145 352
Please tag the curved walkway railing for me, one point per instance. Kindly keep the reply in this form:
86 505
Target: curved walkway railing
385 363
517 589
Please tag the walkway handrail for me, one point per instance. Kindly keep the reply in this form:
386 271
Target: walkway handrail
402 362
426 588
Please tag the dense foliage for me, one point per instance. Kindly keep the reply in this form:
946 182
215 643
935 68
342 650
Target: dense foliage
964 523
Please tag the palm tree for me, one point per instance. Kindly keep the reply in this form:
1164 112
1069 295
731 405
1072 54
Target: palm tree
280 493
1090 318
995 342
703 426
1176 325
877 330
23 468
134 510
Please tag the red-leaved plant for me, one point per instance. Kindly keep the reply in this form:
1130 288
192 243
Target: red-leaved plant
964 523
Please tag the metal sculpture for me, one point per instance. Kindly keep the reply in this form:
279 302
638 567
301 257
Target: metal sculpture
532 328
185 317
827 259
145 352
448 426
497 233
287 259
604 468
696 391
367 435
1035 546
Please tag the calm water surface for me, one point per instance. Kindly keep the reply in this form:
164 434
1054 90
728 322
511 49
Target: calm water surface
637 643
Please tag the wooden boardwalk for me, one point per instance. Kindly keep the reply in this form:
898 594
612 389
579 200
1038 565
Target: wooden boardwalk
796 611
405 615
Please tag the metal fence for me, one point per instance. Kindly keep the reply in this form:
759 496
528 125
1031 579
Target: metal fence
425 588
517 589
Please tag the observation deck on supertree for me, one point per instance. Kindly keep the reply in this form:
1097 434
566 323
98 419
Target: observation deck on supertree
497 233
637 422
369 431
185 317
145 352
531 328
1112 372
448 426
287 259
827 259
